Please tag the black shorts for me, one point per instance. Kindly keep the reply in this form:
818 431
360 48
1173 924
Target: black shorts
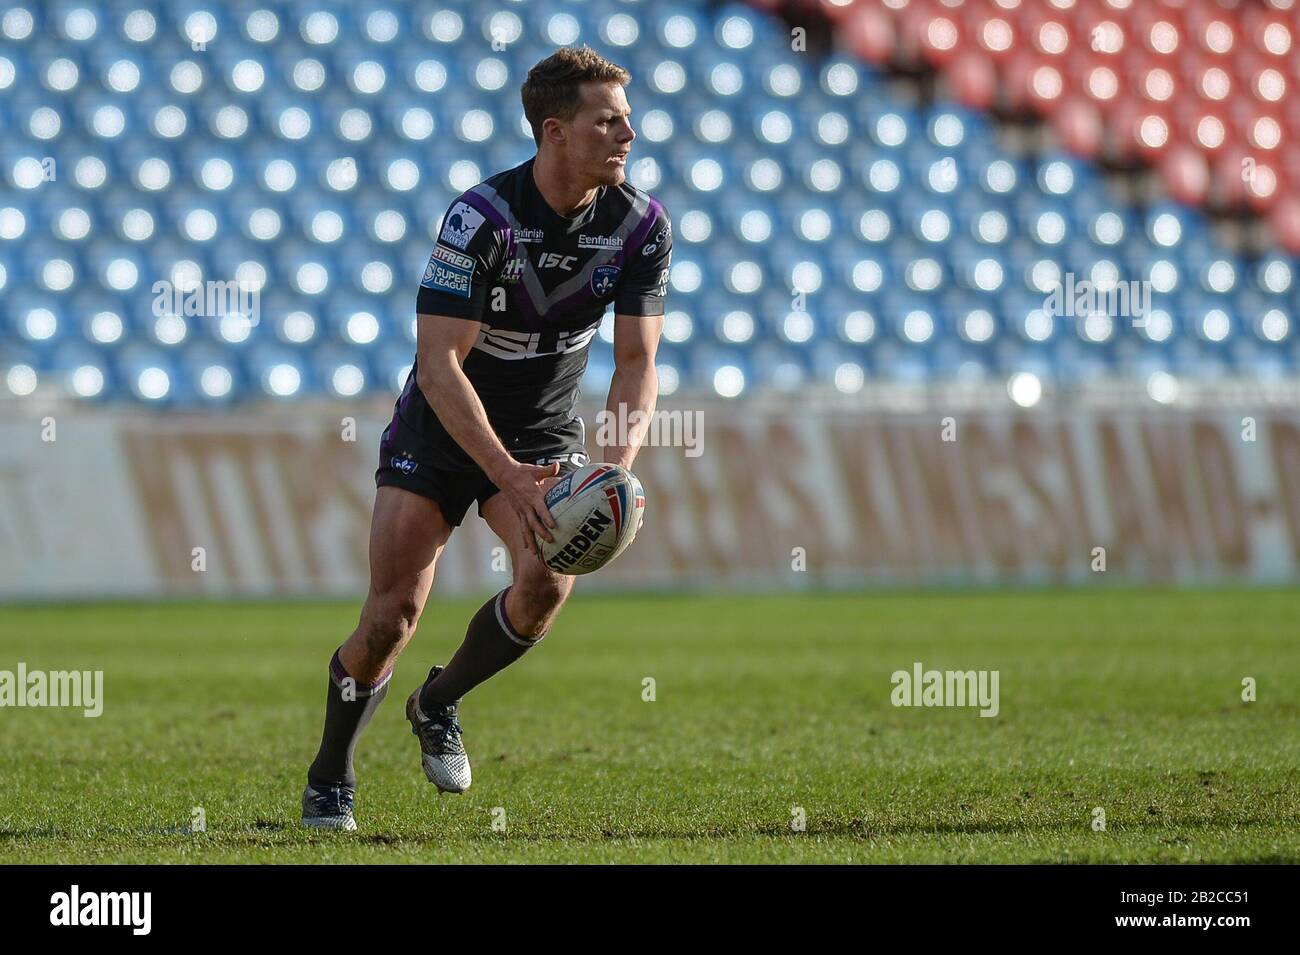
409 460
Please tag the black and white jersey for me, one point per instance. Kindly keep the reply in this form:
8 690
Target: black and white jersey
538 283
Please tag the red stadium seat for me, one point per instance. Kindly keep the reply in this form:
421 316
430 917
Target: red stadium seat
1285 221
1185 174
974 79
868 32
1196 87
1078 124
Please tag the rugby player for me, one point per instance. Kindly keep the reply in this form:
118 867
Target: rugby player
524 268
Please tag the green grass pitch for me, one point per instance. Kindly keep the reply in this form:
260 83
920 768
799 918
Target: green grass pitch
1128 700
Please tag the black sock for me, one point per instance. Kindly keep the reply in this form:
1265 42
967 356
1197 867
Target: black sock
490 646
344 721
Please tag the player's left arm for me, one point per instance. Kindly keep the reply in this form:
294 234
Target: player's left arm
635 385
638 322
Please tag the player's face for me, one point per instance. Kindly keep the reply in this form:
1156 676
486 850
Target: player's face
600 135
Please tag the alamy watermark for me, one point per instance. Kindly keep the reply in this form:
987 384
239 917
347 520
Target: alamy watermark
677 428
922 687
82 689
76 907
210 299
1120 299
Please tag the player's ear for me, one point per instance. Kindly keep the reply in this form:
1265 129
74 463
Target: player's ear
553 131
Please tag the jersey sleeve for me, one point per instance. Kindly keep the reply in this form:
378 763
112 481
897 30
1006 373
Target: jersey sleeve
464 264
645 282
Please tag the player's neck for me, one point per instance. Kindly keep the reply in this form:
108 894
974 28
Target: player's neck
558 189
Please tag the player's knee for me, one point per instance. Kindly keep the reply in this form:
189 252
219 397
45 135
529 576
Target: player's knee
541 596
547 591
391 620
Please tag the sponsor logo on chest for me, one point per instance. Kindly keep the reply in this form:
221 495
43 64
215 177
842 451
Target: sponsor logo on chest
514 345
600 242
513 270
554 260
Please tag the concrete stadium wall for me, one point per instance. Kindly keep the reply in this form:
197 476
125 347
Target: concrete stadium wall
778 496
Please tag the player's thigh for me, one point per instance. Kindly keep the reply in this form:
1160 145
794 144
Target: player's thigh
530 574
407 533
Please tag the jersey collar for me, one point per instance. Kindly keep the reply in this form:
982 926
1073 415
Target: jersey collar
565 224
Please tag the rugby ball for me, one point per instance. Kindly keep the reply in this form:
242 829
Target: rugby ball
597 510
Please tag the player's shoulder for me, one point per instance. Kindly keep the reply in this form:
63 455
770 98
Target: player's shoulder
645 219
479 212
649 228
634 199
498 194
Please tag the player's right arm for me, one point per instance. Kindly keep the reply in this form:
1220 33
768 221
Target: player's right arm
442 342
452 298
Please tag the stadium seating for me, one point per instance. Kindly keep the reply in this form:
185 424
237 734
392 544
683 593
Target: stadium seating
827 232
1198 87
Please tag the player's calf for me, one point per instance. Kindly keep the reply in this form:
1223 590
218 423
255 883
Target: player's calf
492 642
349 706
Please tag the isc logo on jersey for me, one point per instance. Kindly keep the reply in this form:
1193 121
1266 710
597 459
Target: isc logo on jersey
460 225
449 271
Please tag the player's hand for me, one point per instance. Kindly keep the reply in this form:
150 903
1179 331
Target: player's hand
522 484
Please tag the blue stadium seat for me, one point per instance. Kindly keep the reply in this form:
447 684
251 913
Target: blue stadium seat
320 161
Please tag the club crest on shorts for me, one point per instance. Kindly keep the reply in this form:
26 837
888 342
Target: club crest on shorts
604 278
